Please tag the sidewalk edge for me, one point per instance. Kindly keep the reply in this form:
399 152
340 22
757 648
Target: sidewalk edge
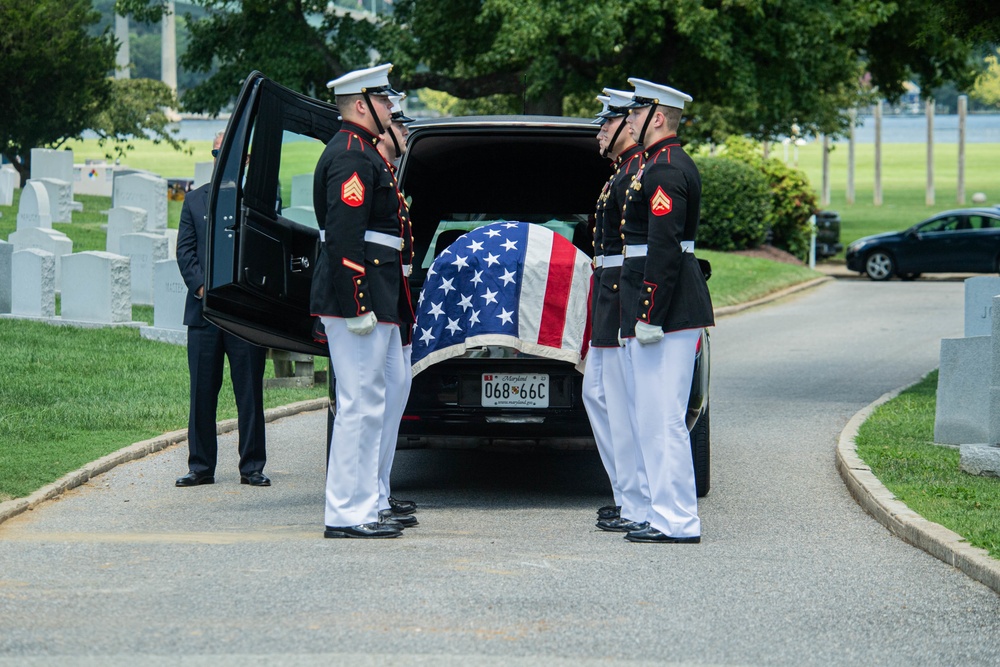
773 296
880 503
137 450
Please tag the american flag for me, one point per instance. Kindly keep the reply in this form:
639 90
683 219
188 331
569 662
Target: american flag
514 284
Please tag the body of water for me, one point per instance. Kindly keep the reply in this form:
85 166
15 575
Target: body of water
979 129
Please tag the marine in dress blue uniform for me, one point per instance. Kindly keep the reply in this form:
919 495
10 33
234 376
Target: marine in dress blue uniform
664 305
604 391
362 297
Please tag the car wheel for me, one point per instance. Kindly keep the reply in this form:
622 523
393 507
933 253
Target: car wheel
700 454
879 265
909 276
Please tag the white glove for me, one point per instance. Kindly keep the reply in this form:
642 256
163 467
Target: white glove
621 341
363 325
647 333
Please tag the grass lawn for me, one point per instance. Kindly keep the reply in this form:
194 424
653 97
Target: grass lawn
904 177
897 443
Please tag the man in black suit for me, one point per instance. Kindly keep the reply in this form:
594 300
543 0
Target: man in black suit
208 346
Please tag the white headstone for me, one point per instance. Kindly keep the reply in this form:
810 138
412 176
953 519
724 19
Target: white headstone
146 192
202 173
49 240
97 288
34 210
171 235
10 180
51 163
169 296
33 287
302 190
123 220
6 257
144 250
979 293
60 198
304 215
93 179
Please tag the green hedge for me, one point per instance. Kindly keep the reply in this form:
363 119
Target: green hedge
736 204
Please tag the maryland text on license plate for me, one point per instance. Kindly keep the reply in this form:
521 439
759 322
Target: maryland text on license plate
515 390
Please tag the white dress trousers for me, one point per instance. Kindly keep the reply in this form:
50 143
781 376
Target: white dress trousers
398 378
364 367
606 399
659 386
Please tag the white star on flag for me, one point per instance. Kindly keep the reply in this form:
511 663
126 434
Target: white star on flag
474 318
426 336
490 296
478 278
492 259
453 326
508 278
475 246
509 245
446 285
460 262
466 302
505 316
436 310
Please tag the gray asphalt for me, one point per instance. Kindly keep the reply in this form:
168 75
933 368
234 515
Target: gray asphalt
506 567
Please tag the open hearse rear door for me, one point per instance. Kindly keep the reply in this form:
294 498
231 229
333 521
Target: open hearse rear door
262 232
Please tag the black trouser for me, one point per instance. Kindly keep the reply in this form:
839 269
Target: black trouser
208 347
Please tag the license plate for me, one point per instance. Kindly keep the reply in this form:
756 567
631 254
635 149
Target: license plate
515 390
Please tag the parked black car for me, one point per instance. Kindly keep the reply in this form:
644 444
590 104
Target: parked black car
458 172
961 241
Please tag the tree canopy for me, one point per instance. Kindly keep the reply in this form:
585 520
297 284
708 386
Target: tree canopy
55 83
754 67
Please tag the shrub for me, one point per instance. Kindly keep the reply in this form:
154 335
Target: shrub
735 204
793 201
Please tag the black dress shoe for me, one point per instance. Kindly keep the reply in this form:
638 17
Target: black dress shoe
609 512
194 479
391 516
255 479
620 525
650 534
369 530
402 506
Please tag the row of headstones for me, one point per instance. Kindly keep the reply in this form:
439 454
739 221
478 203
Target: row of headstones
137 228
968 392
96 291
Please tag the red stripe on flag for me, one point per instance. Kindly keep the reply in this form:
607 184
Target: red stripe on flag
557 289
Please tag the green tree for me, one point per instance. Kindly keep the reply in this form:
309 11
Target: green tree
54 83
754 67
987 88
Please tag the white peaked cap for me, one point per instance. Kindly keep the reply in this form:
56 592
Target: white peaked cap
372 80
599 120
620 99
647 92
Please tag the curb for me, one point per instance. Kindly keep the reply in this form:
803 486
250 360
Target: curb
739 307
901 521
71 480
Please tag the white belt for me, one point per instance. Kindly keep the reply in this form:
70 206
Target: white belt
613 260
598 261
388 240
640 250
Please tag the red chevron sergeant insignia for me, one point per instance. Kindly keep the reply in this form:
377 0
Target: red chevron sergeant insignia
661 203
352 192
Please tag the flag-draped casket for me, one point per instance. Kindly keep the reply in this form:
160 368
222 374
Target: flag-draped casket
513 284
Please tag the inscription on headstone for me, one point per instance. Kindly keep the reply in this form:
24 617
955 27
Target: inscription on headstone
146 192
169 296
979 293
34 211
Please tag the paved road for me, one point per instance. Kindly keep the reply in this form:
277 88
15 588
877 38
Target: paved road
506 566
